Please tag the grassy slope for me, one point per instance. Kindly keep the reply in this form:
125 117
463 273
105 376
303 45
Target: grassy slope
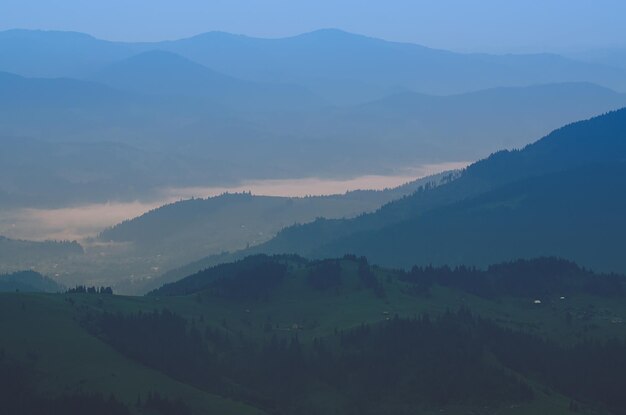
319 313
45 333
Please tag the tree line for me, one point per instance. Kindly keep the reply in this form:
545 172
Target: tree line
423 362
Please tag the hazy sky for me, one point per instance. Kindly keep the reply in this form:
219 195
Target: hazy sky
467 25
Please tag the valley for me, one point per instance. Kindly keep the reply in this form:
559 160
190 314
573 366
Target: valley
312 208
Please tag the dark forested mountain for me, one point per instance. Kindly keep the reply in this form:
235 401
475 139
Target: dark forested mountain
575 214
251 278
500 208
259 277
28 281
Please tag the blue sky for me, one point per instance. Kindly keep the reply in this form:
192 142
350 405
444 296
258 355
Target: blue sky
465 25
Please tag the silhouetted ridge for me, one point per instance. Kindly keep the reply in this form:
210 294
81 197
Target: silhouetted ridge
544 192
250 278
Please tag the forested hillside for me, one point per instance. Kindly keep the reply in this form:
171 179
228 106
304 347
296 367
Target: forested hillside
544 199
281 334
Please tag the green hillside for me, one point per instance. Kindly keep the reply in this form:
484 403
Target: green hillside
286 335
62 358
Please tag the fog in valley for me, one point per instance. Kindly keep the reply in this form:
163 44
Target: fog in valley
261 207
83 222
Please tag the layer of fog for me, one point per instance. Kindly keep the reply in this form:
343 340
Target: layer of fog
82 222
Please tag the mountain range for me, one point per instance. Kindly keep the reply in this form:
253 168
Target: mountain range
331 62
541 200
561 196
46 123
494 289
218 109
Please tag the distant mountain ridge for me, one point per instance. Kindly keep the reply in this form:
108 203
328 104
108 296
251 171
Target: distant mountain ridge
615 56
336 64
157 71
62 54
219 109
167 73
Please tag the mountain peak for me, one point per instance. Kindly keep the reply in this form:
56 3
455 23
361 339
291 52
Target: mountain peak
159 71
332 34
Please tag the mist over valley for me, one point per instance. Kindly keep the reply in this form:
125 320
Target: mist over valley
330 207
